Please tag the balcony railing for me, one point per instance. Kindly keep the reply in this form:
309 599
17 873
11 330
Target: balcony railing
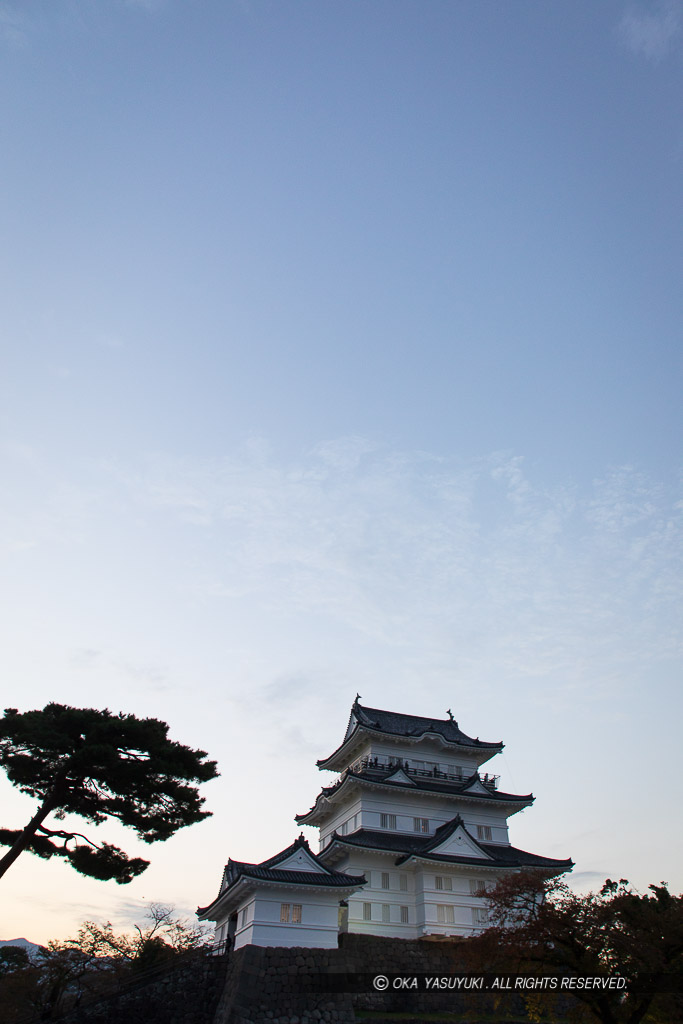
364 764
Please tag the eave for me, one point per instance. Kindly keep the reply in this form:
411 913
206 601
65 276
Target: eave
240 876
404 848
343 755
230 899
328 797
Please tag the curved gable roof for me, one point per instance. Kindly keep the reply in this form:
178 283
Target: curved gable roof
413 727
416 725
316 874
404 846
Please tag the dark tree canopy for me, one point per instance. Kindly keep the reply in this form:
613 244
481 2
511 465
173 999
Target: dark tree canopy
98 765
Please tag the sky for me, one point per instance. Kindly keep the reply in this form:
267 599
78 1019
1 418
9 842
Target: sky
342 353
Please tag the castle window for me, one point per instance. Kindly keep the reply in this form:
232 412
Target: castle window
403 882
444 913
404 915
443 882
421 824
386 913
479 916
243 920
476 885
296 913
367 911
284 913
385 880
387 821
484 833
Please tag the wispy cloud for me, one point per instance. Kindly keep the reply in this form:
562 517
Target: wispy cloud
150 676
650 31
435 567
418 552
17 27
14 25
258 593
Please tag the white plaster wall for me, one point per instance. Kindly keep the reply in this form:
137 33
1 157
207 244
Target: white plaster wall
243 930
281 935
426 750
319 919
341 814
421 896
408 804
425 756
423 750
373 865
459 897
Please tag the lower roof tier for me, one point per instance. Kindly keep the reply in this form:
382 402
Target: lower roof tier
296 866
452 844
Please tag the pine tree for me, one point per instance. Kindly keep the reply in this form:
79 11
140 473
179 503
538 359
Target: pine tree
98 765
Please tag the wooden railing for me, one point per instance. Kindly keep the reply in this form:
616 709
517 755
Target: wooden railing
364 764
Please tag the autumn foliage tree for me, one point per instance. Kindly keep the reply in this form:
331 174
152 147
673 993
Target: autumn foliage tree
95 964
98 766
540 925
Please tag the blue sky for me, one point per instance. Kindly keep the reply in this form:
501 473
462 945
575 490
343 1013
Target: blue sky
342 349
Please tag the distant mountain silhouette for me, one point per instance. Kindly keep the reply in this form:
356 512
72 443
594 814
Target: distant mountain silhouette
32 948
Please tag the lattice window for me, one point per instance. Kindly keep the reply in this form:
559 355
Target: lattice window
445 914
478 885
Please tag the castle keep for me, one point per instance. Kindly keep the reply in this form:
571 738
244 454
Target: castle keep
411 836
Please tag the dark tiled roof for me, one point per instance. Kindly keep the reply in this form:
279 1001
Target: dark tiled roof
391 723
415 725
268 871
407 846
327 878
421 785
426 785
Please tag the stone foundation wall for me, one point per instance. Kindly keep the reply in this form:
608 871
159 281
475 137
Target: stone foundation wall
279 985
276 985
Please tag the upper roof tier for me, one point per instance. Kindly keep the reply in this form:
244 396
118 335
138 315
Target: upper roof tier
409 729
